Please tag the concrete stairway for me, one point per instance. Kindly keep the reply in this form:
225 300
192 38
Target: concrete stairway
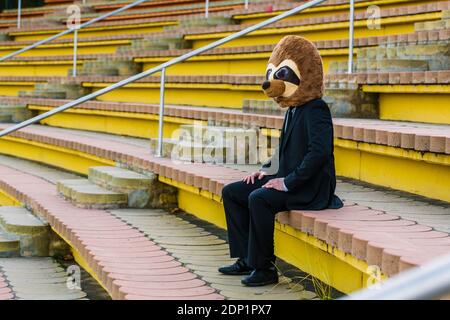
114 187
26 235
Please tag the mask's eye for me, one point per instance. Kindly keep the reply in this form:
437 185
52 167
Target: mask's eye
281 74
288 75
268 73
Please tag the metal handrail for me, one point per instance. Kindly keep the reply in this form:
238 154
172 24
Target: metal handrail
430 281
70 30
160 68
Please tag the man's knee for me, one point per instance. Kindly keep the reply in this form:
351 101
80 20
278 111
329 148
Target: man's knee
230 190
257 197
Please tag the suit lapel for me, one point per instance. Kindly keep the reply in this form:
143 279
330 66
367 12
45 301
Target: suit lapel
282 131
289 131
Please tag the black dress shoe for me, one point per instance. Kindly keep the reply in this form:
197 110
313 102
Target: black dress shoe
261 277
239 268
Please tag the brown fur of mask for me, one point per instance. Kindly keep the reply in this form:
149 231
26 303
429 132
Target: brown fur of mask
301 61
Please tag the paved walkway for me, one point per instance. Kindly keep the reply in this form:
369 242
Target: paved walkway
202 252
36 279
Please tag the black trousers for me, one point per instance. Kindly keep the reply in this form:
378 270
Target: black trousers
250 213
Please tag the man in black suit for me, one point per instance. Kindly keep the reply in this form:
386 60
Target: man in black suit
300 175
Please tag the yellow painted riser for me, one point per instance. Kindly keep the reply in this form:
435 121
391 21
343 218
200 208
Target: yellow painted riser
115 123
10 89
228 96
81 261
245 65
428 176
27 36
397 25
311 255
61 69
55 156
331 10
223 66
432 108
67 49
305 252
7 200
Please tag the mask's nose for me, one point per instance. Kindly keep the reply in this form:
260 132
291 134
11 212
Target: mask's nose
266 85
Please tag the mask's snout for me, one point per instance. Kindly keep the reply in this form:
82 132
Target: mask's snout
274 88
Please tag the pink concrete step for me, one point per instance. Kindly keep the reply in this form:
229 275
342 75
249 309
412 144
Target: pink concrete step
354 229
5 291
105 242
379 239
390 78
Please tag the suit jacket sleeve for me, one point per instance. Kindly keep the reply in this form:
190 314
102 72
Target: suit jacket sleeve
319 128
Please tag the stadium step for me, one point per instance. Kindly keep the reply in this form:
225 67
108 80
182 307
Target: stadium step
351 230
371 129
37 279
97 240
391 129
9 245
14 113
34 234
395 21
141 190
86 194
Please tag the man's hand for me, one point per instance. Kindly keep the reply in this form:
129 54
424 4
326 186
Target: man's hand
277 184
255 175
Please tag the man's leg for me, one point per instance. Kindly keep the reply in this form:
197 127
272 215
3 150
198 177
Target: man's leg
235 200
264 204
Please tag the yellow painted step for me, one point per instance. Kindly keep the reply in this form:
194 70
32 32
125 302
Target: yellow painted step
241 63
306 252
109 30
326 10
201 94
426 174
121 123
12 88
418 103
37 68
58 49
326 31
245 63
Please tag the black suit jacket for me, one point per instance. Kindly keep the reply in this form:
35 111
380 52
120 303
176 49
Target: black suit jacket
306 158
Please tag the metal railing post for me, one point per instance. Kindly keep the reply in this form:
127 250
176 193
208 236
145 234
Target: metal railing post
206 9
75 52
351 36
246 4
19 14
159 152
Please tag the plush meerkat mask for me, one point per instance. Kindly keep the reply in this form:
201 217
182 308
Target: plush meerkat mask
294 74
